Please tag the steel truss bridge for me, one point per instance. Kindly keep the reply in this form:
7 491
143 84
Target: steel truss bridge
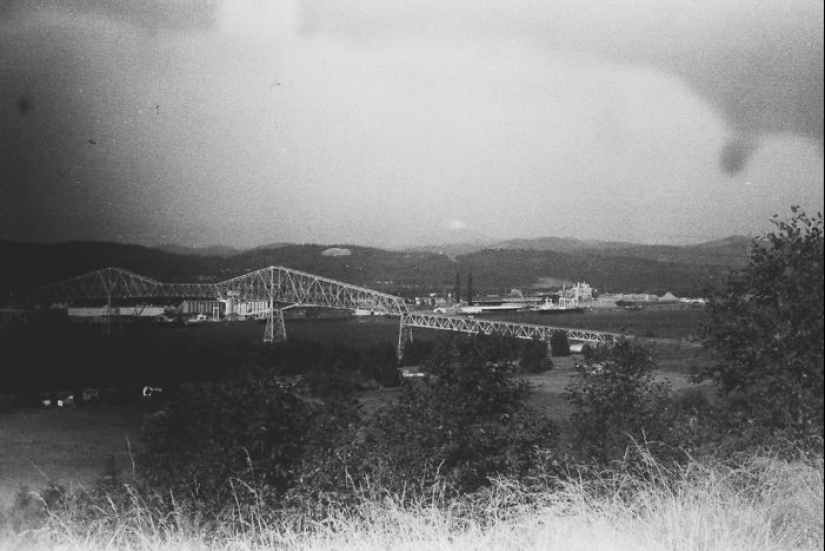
464 324
284 288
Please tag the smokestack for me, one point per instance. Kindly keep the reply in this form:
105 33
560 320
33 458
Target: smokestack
457 288
470 289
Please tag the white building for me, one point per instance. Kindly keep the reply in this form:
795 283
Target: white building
581 291
129 311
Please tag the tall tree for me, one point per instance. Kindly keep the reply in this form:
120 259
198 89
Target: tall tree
765 325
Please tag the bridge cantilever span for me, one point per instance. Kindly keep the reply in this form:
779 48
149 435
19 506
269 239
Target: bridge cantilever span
285 285
281 285
296 288
284 288
275 284
109 283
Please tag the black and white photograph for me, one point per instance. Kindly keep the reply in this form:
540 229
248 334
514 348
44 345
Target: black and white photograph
427 274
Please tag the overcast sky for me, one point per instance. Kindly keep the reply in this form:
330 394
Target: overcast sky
387 122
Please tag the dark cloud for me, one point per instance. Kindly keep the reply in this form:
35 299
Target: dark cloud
735 155
759 64
151 15
768 87
372 122
23 105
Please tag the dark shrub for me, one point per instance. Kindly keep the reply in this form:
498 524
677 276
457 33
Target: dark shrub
380 363
765 325
463 423
559 344
534 356
416 352
250 427
617 400
692 400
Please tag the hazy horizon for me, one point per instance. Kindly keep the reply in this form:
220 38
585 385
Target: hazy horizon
398 124
480 242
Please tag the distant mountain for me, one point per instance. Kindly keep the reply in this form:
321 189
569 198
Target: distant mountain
451 243
212 250
610 267
503 269
27 265
450 250
272 245
390 271
732 251
733 246
558 244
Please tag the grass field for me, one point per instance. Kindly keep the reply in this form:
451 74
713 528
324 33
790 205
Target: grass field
760 504
764 504
71 446
667 322
63 445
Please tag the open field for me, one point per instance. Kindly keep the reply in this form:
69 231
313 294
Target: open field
73 445
669 322
63 445
156 354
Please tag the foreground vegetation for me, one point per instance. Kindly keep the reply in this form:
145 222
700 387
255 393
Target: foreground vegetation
759 503
278 453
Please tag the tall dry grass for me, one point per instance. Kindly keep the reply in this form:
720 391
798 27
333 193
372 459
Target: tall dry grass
761 503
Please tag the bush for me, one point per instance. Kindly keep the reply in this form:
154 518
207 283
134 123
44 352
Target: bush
765 325
559 344
616 400
534 356
462 424
250 427
465 422
380 363
416 352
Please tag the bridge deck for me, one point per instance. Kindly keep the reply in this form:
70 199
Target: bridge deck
284 286
465 324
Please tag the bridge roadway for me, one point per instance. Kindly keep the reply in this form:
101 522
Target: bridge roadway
286 288
473 325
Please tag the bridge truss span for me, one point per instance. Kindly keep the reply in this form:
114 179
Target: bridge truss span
287 286
465 324
283 288
117 283
280 287
277 284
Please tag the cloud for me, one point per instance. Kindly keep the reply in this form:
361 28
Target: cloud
148 15
455 224
759 63
371 122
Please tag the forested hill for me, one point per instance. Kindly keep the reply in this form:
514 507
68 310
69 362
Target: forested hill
26 265
638 268
732 251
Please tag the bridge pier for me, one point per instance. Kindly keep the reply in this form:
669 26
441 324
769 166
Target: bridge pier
275 326
404 336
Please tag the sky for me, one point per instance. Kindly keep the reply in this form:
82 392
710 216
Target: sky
407 122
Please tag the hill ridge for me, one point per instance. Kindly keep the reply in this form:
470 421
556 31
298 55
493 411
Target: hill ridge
636 268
